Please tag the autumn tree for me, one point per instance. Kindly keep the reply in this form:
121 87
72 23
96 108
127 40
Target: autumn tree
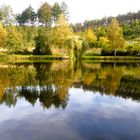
3 34
45 14
90 37
115 36
62 31
103 42
13 40
101 32
28 34
76 47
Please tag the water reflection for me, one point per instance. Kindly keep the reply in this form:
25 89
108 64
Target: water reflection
50 82
57 100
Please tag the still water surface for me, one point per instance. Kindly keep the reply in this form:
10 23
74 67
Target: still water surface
60 101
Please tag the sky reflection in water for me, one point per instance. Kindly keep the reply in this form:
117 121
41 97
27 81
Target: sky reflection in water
89 114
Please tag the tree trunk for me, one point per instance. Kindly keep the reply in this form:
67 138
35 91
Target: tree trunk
114 52
72 57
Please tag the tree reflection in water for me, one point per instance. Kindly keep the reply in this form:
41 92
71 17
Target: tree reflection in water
49 83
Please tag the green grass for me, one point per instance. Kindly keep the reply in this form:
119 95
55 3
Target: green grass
111 57
43 58
24 58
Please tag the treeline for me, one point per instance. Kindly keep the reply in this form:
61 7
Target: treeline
34 32
123 19
129 31
48 32
43 32
129 22
46 15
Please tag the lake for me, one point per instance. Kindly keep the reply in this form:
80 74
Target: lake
59 100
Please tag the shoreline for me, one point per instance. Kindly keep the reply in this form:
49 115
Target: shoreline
16 58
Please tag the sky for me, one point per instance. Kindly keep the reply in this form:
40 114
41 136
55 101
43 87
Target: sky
81 10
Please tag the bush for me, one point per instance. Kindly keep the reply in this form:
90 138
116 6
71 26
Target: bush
23 52
105 52
120 53
42 48
111 53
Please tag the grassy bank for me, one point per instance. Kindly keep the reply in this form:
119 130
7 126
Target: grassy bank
22 58
111 58
16 58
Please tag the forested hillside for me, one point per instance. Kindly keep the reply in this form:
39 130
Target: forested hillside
130 23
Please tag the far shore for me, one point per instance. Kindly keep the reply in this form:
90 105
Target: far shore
22 58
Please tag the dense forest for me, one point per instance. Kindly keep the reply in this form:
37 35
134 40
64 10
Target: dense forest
127 21
47 31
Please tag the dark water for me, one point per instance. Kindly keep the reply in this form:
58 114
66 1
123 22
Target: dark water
61 101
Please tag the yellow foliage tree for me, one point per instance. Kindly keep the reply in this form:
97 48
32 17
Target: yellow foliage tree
115 36
103 42
3 34
90 37
62 31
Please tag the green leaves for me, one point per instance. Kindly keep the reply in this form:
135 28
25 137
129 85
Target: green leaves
27 16
45 14
43 42
13 40
56 11
6 15
61 32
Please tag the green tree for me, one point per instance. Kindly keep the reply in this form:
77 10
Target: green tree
133 48
28 34
76 47
56 11
101 32
45 14
43 42
115 36
64 9
27 16
13 41
6 15
62 31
